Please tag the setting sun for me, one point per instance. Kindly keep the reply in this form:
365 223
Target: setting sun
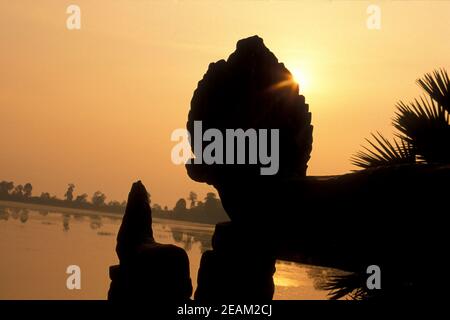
300 78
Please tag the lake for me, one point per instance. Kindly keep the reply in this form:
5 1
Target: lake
38 243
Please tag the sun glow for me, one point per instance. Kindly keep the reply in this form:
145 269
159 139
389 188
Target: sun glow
299 77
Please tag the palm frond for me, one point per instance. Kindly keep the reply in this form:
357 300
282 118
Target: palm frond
384 153
426 127
437 85
351 286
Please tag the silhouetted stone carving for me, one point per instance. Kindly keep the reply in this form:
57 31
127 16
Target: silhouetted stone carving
238 268
252 90
136 227
148 270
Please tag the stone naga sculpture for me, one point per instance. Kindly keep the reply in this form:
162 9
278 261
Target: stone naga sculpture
148 271
250 90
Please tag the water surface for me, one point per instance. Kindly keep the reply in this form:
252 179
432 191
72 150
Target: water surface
38 243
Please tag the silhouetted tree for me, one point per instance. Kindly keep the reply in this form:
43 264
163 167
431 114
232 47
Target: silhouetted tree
27 190
210 196
18 191
180 207
156 207
6 187
82 198
193 198
98 199
69 193
211 200
45 196
113 204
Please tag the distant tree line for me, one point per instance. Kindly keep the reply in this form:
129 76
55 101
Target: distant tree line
209 210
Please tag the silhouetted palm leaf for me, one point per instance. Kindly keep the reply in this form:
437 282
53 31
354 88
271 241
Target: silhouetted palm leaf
437 85
384 153
424 124
351 285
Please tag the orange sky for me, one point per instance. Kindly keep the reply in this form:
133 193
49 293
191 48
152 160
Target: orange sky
96 106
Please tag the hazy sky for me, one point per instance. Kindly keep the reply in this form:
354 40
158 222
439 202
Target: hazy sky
96 106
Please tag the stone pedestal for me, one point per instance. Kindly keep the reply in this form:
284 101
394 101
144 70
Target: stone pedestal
160 272
148 271
240 267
